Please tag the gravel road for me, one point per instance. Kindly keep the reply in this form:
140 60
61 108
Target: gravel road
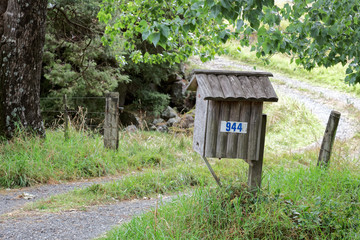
72 224
95 221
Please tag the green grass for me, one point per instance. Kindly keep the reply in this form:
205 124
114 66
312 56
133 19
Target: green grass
301 203
146 184
27 160
289 127
332 77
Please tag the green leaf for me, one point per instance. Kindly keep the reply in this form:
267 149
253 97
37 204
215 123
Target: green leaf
225 4
215 11
239 24
261 31
145 35
209 3
165 31
154 38
196 5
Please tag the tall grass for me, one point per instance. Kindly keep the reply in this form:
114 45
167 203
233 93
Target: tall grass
298 203
145 184
28 160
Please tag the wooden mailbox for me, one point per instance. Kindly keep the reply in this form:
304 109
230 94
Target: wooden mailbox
228 112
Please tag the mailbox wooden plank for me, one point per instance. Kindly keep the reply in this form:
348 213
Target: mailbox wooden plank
222 140
200 122
232 142
242 144
229 111
212 128
228 89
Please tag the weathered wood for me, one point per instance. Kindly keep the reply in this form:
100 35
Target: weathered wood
200 122
253 128
228 89
222 139
212 171
205 85
212 128
232 140
234 88
257 87
66 119
111 131
255 169
268 89
247 88
229 72
242 142
236 85
328 140
215 87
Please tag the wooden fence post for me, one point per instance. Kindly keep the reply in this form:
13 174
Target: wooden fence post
111 131
66 119
328 140
255 169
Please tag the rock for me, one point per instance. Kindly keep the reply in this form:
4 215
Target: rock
131 129
158 121
168 113
187 121
162 128
173 121
128 118
26 196
177 94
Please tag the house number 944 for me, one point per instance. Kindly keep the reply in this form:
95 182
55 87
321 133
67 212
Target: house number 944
233 127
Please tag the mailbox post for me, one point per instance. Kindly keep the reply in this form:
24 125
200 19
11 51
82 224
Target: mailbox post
228 116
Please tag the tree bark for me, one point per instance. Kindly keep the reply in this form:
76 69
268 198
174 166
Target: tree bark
22 32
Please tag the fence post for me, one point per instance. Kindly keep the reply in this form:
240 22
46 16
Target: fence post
328 140
111 131
66 118
255 169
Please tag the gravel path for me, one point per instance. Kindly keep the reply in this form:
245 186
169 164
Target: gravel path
12 199
95 221
72 224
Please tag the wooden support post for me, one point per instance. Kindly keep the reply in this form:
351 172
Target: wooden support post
328 140
66 119
255 169
111 131
212 171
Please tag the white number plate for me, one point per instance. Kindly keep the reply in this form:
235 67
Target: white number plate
233 127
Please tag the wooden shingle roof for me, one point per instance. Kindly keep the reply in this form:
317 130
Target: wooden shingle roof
222 85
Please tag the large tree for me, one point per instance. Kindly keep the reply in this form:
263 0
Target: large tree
318 32
22 33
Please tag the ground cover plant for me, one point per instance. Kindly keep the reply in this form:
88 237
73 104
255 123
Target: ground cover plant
180 168
298 203
28 160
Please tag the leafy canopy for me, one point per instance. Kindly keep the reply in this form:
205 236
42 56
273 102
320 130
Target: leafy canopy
180 27
319 32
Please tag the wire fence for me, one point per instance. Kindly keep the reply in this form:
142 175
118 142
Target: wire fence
99 114
85 112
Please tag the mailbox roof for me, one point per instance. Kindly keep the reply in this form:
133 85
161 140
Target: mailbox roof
222 85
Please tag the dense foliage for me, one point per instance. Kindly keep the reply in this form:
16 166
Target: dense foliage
76 62
320 33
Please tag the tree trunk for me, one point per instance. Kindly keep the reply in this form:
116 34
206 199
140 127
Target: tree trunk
22 32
